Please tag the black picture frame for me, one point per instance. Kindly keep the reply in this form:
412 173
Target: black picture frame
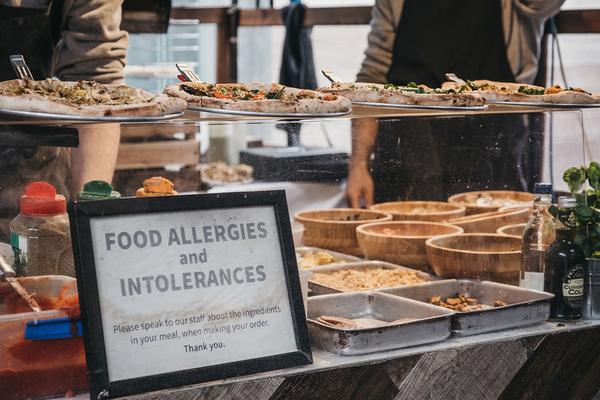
82 213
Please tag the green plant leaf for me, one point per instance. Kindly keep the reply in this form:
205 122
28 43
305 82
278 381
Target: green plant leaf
575 178
594 174
594 231
581 238
592 200
596 246
585 214
553 210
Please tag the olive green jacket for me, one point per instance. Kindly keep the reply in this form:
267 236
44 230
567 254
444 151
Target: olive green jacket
92 45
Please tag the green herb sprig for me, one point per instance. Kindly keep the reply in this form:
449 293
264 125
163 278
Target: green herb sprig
586 208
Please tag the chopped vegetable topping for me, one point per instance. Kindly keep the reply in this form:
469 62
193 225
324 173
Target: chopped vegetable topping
82 93
532 91
276 95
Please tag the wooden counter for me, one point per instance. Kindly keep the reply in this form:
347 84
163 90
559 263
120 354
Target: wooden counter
544 361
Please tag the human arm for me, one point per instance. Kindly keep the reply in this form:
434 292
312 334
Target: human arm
92 45
359 185
378 55
523 22
96 156
538 9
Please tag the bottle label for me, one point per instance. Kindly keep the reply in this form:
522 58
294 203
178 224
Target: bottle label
573 286
567 218
19 246
532 280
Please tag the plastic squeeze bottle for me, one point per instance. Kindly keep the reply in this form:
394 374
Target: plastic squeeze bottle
40 235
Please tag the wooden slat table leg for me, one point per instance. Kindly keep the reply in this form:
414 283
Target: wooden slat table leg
364 382
474 372
563 366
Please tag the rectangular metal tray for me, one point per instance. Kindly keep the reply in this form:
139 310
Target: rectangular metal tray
524 306
336 257
432 323
318 289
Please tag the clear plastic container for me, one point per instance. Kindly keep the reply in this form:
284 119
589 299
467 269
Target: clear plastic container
40 234
39 368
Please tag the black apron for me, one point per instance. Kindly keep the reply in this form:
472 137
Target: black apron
439 36
431 158
31 32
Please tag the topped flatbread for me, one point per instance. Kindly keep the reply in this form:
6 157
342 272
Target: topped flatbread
85 98
523 93
412 94
258 97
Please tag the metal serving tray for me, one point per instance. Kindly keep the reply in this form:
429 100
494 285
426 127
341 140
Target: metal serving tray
89 118
431 323
320 289
268 114
524 306
547 105
336 257
425 107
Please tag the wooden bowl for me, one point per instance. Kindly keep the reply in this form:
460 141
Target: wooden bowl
405 245
512 230
484 256
435 211
490 200
490 222
335 229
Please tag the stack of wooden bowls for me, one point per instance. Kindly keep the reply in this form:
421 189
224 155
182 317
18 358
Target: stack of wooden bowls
484 256
433 211
490 222
335 229
401 242
512 230
490 200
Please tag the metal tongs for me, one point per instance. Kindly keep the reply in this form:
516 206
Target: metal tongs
332 78
8 274
187 73
453 78
20 67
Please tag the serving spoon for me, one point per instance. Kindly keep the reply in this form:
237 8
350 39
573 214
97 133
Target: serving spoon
7 274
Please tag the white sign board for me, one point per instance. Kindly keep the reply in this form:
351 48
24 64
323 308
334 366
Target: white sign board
191 289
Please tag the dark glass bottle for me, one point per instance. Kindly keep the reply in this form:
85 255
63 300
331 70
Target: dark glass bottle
565 262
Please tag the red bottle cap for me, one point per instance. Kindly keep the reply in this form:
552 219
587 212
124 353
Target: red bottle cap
41 198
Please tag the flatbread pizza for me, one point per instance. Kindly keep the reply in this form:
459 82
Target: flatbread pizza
258 97
522 93
85 98
412 94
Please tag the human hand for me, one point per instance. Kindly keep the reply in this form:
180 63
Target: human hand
359 187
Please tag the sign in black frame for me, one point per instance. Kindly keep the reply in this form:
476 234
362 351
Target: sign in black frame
82 213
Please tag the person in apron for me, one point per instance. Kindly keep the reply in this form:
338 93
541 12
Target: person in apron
33 28
431 158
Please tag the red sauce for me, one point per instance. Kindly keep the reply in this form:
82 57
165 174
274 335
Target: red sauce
31 368
16 304
47 351
42 382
